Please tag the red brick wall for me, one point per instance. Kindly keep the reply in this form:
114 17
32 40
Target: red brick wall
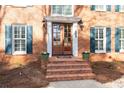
92 18
33 15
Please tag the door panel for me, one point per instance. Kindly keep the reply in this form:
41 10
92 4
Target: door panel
57 40
67 48
62 41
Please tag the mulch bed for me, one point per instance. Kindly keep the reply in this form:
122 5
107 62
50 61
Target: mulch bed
108 71
29 76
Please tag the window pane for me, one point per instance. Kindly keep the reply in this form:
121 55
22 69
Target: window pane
19 31
100 33
62 9
100 44
17 45
17 48
96 44
22 45
96 34
122 44
67 10
15 30
99 7
57 9
56 35
122 7
23 32
122 34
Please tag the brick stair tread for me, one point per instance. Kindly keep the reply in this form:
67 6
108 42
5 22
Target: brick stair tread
62 64
69 72
66 62
67 69
68 78
70 75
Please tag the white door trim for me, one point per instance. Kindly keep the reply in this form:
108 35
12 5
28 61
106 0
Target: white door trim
49 38
75 39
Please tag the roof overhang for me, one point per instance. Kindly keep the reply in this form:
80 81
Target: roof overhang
62 19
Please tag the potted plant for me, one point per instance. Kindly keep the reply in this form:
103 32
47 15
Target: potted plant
86 55
44 56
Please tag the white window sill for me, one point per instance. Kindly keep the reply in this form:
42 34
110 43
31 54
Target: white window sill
62 15
19 53
100 51
121 11
121 50
100 10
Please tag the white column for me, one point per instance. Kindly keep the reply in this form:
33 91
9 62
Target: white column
75 39
49 38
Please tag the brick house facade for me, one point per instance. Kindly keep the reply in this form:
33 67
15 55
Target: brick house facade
27 31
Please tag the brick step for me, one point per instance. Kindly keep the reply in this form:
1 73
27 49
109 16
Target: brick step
69 72
68 66
72 69
70 77
68 62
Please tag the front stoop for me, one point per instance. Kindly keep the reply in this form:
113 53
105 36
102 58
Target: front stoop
68 70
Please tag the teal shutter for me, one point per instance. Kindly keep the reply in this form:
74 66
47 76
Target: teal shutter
108 7
117 41
92 40
92 7
108 39
117 8
8 39
29 39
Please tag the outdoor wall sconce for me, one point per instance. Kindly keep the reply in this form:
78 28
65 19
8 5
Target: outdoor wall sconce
81 24
44 23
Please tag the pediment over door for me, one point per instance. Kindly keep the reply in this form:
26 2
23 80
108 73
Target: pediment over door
62 19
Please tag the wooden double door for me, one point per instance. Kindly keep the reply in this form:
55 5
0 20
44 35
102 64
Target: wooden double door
61 39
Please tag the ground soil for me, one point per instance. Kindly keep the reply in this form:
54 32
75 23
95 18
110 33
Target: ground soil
107 71
28 76
32 75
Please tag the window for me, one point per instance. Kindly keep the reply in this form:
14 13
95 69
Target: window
122 40
100 39
56 35
19 39
100 7
62 10
122 8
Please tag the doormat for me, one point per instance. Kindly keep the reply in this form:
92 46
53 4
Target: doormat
64 56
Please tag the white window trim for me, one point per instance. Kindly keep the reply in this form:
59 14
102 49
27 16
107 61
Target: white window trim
121 50
104 41
98 9
62 14
121 9
13 47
